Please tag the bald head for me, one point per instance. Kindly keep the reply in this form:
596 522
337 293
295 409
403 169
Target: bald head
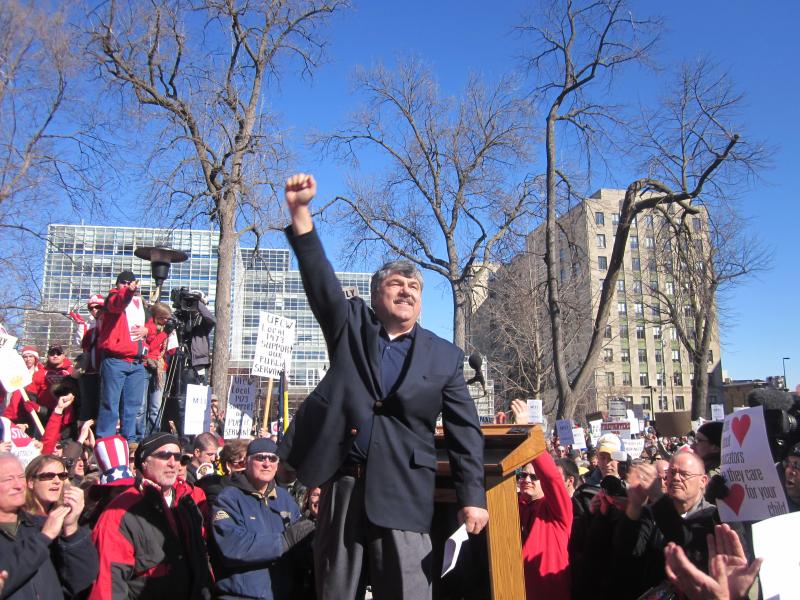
686 480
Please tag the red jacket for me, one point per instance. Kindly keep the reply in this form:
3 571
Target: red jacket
114 337
47 378
156 341
546 526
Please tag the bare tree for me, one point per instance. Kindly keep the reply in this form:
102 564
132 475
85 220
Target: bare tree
446 198
199 72
688 151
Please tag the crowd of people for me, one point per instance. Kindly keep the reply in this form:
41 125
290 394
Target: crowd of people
114 507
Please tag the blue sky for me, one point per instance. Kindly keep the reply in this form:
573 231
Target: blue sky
754 42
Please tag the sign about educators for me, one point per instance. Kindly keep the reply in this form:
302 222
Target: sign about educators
276 337
754 489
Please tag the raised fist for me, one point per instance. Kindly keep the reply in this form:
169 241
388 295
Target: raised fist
299 191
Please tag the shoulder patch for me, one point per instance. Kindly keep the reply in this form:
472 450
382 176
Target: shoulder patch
220 515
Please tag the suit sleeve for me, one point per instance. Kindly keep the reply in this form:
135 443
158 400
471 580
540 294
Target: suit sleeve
324 292
237 544
116 557
463 438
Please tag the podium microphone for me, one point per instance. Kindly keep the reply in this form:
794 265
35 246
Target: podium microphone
476 362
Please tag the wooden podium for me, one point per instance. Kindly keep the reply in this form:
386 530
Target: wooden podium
506 448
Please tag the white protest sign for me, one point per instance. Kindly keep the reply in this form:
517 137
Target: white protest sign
595 431
634 422
7 342
774 542
21 444
198 398
634 447
14 375
239 411
535 411
564 432
273 345
717 412
578 438
755 491
617 409
620 428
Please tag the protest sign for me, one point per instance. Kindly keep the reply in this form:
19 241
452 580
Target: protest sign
633 421
634 447
22 445
754 489
239 411
774 542
535 411
595 430
564 432
198 399
617 409
578 438
273 345
717 412
14 375
620 428
7 342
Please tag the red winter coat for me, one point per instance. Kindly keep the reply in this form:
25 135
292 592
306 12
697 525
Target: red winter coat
45 380
156 341
17 409
114 337
546 526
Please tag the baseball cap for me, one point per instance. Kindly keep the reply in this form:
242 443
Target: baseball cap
609 442
126 277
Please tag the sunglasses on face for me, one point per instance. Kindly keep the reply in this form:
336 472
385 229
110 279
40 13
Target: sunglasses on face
55 353
164 455
522 475
50 476
273 458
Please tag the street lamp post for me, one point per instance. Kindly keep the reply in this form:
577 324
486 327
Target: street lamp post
785 383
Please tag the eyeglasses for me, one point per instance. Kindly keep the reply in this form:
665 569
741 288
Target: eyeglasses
49 476
522 475
94 307
793 465
273 458
684 475
54 353
164 455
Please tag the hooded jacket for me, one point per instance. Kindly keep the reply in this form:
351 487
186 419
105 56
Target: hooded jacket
249 554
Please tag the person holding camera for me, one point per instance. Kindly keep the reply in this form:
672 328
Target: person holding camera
156 366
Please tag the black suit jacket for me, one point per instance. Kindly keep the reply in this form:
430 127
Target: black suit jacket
402 460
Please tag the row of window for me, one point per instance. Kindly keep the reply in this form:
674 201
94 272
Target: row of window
625 356
647 221
644 379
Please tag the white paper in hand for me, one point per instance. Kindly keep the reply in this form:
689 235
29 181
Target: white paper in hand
452 547
774 540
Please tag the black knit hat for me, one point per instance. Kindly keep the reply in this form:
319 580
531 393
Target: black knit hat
259 445
713 431
126 277
152 443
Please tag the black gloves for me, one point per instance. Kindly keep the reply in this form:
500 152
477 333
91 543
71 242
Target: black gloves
296 533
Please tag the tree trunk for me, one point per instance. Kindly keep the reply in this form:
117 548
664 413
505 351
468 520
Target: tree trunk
228 238
699 386
460 307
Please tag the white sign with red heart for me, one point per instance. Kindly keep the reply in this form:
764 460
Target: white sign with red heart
754 489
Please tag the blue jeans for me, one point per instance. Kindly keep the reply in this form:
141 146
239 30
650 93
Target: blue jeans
122 386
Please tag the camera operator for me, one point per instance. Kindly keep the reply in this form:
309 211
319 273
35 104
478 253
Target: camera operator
198 321
791 477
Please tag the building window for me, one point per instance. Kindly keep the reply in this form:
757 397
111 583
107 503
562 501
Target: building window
610 379
626 378
634 241
608 355
625 355
620 285
710 356
651 265
669 287
602 263
677 378
615 219
654 287
643 380
660 379
636 264
623 332
622 308
638 308
673 334
607 332
599 218
640 332
649 242
676 355
645 400
642 355
601 240
656 332
659 356
637 286
655 309
663 403
679 405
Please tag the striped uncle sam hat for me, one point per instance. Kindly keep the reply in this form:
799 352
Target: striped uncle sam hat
112 458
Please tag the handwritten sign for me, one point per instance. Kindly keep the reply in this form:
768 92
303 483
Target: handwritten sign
7 342
564 432
717 412
276 336
578 438
620 428
14 375
535 411
634 447
198 399
239 414
595 431
617 409
755 492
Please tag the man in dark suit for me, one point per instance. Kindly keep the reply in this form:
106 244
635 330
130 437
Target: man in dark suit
365 434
